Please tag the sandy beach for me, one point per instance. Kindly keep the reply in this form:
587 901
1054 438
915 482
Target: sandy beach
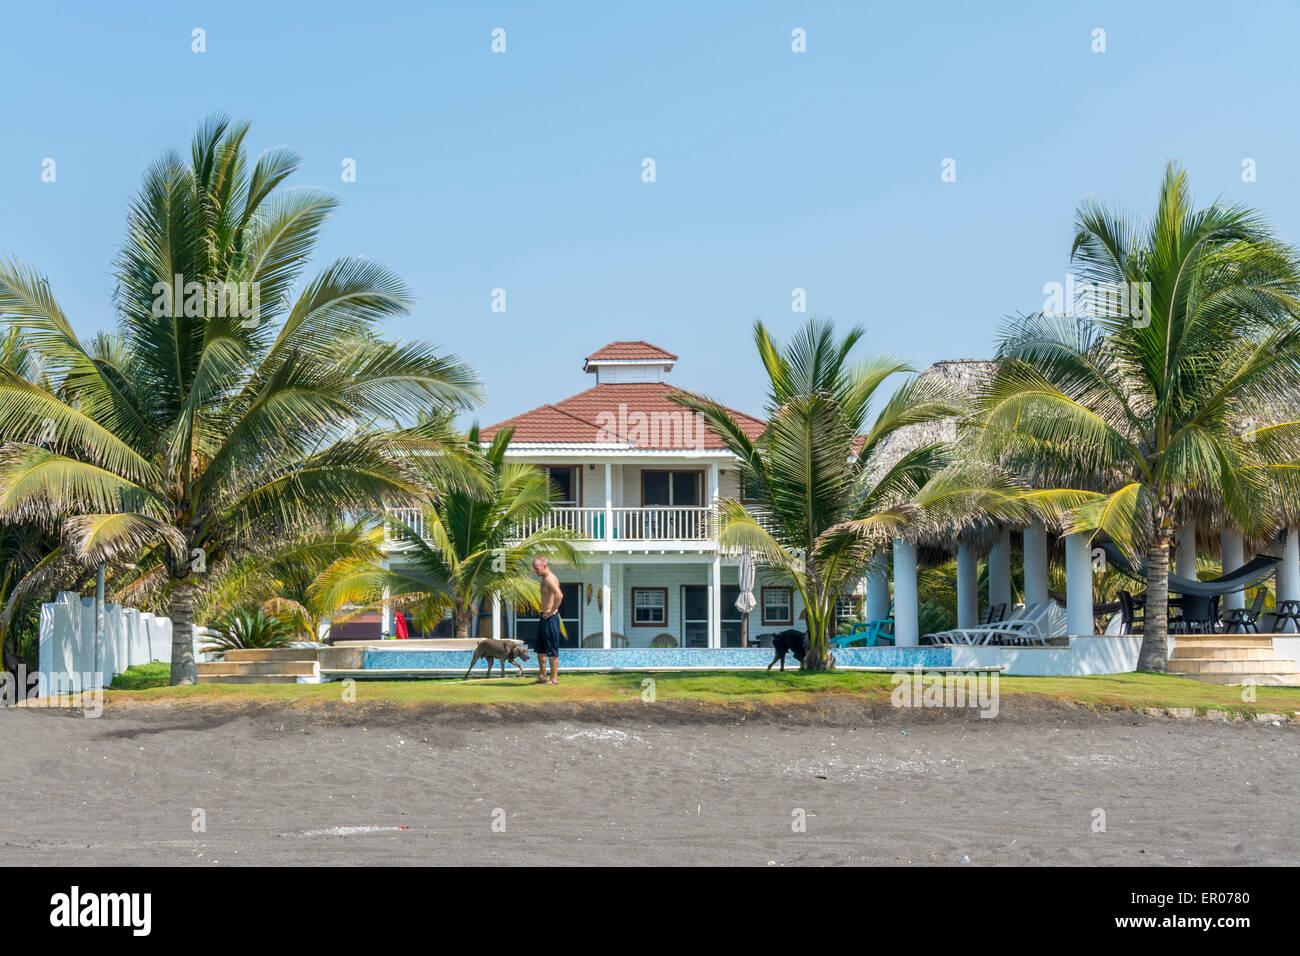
370 785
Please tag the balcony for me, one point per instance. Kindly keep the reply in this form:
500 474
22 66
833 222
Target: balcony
626 526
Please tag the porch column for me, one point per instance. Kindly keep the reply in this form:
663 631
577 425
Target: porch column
1078 584
907 611
496 617
1035 540
968 594
1288 572
877 608
605 607
1185 553
609 523
1000 571
715 602
386 608
1233 546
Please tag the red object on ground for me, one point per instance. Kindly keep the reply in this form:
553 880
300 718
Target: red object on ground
400 621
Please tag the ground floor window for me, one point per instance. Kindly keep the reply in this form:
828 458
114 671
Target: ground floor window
695 616
649 607
570 617
778 607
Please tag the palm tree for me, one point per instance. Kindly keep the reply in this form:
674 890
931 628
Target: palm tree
471 547
203 427
826 495
1148 406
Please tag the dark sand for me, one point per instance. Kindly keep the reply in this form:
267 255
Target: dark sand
643 784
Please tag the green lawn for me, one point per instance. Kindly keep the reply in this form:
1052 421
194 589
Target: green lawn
149 683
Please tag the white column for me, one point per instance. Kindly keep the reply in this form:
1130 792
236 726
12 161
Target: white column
386 609
1185 553
1288 572
715 602
1036 561
877 608
1000 571
968 593
606 608
907 609
609 517
1078 585
1233 546
496 617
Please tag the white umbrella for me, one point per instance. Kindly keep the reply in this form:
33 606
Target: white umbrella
746 603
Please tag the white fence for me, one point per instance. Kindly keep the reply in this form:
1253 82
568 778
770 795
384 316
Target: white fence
66 654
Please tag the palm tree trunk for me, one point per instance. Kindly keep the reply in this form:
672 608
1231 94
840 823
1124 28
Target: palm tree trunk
183 669
1154 655
462 619
818 657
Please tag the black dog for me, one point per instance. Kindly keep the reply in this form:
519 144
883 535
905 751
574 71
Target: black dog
502 651
789 642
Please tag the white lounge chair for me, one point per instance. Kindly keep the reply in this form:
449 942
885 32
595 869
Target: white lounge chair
962 635
1038 623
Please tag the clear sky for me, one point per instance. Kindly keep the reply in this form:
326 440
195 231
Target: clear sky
775 170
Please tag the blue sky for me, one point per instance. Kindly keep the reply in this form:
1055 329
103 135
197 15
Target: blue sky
774 170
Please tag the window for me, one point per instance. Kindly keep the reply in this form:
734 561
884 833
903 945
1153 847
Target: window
567 482
649 607
681 489
777 608
747 485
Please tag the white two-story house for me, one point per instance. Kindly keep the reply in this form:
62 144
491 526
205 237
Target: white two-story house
637 477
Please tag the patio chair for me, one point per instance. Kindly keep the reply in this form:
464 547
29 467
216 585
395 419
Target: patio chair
597 639
1286 612
1131 612
875 633
1245 620
962 635
664 640
1035 625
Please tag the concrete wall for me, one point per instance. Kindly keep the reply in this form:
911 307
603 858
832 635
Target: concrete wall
1085 655
66 655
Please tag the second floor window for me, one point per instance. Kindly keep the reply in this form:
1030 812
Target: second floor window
679 489
565 481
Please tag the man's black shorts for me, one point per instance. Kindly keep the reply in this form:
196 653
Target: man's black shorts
548 636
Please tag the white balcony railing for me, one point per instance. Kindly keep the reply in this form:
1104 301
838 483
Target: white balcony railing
589 524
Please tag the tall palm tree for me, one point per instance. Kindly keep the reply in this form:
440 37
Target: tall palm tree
826 496
470 547
202 428
1134 412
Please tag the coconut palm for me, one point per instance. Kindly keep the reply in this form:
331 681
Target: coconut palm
470 549
825 494
1149 404
231 407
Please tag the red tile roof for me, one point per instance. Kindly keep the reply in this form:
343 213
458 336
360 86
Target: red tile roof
605 413
637 351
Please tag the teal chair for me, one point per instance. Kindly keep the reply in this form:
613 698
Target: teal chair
875 633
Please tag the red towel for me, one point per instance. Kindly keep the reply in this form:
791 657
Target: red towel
400 621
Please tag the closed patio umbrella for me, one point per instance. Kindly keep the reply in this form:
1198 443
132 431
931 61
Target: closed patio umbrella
745 602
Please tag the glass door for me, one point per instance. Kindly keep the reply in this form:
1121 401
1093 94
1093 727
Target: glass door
570 616
695 615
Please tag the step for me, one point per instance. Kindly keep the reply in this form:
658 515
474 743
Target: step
1262 680
245 679
272 654
1181 665
1228 640
258 668
1222 652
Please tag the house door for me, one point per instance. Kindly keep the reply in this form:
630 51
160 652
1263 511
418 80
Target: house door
695 616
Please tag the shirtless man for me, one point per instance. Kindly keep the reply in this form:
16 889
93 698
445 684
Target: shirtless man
548 628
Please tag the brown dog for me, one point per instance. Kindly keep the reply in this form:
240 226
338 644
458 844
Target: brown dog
502 651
